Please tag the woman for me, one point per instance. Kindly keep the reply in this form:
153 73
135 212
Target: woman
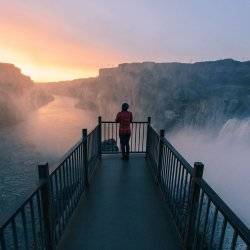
124 118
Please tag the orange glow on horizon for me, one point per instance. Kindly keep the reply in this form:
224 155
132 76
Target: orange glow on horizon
53 74
46 53
45 72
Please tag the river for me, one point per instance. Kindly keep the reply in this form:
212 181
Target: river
45 135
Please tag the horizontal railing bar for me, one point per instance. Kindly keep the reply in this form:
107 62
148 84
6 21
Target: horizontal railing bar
4 220
227 212
92 131
178 156
64 157
136 122
68 154
184 162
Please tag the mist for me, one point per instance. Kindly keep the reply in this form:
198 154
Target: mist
19 96
226 159
195 103
55 128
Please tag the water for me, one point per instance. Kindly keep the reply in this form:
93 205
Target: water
226 159
44 136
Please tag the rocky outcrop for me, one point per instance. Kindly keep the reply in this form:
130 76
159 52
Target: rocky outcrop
18 95
109 145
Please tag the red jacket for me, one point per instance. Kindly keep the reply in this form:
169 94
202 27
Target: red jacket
124 118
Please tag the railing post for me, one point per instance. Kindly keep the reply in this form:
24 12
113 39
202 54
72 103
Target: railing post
159 165
147 141
85 156
46 200
100 136
193 204
2 239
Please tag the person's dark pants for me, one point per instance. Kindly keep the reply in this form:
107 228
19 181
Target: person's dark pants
124 140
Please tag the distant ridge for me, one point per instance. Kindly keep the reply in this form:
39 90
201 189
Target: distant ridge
150 64
201 94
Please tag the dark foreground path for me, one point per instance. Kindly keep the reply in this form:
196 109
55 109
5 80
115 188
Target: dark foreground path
122 210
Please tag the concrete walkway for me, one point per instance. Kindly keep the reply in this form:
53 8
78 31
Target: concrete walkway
122 210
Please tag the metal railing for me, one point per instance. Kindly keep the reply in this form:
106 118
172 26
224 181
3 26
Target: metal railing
202 218
38 222
111 140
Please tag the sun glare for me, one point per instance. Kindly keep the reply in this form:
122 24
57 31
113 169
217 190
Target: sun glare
50 73
45 73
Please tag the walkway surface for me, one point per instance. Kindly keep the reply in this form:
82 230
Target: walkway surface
122 210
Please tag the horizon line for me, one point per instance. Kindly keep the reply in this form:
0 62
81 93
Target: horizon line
126 63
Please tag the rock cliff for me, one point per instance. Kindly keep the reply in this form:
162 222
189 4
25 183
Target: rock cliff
18 95
176 95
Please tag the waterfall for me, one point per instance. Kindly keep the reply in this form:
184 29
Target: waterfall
236 131
226 158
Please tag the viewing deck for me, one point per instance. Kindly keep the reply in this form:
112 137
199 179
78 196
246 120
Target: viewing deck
123 209
91 199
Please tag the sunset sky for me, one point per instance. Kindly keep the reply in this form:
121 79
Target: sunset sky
65 39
